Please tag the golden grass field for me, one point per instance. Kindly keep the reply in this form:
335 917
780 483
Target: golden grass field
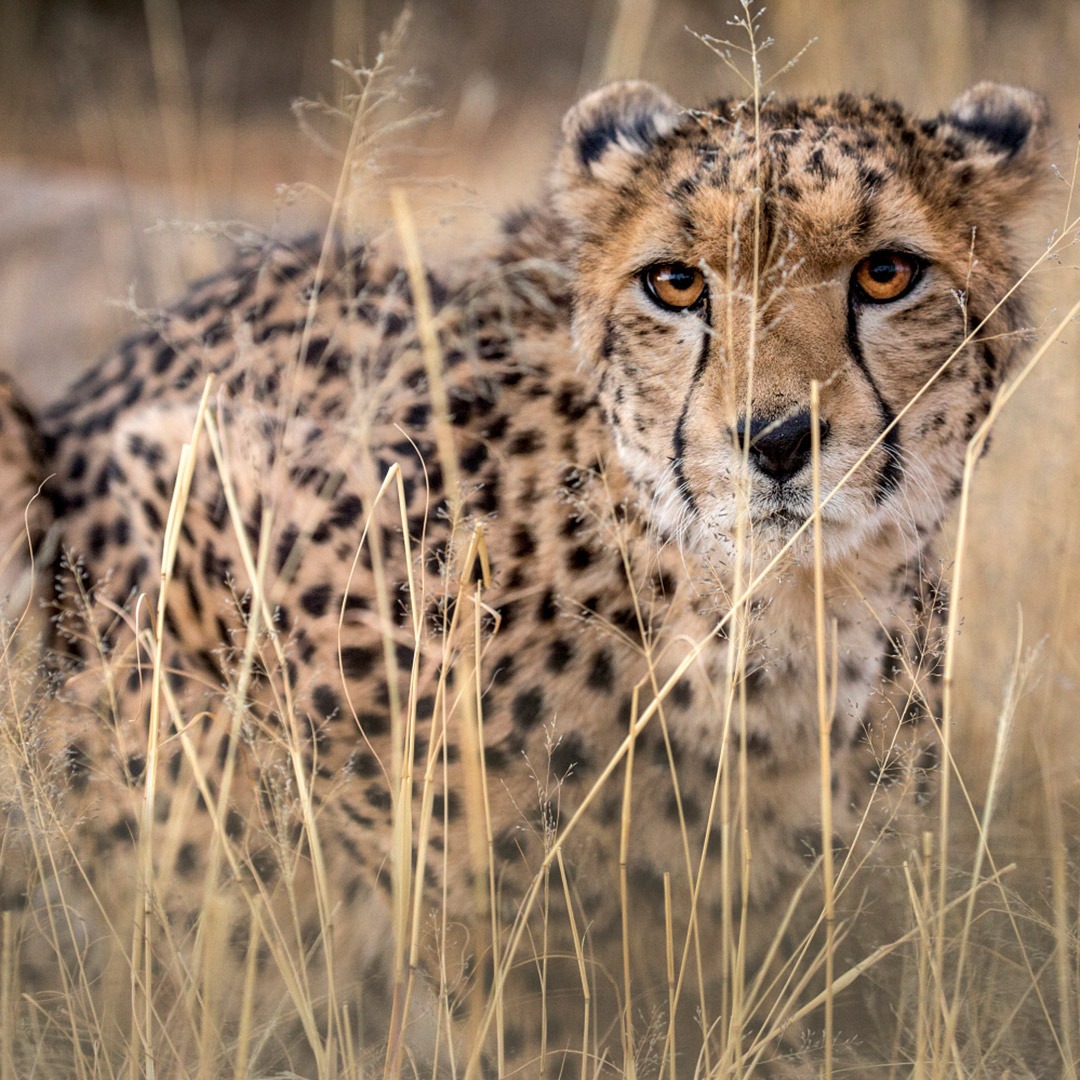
118 117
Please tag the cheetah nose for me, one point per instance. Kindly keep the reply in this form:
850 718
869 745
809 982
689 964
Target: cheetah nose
779 449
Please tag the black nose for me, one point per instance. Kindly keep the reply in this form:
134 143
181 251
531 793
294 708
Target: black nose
780 448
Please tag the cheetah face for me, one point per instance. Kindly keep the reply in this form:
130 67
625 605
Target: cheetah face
725 264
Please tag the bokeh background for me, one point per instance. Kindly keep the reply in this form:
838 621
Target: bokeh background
133 136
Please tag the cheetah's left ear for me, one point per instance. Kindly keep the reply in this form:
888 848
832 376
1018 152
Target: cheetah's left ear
607 132
1002 131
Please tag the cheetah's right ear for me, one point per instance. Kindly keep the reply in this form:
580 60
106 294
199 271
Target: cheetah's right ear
610 129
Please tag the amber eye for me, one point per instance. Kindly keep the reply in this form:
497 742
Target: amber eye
886 275
674 285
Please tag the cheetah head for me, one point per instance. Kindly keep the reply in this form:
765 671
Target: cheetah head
725 260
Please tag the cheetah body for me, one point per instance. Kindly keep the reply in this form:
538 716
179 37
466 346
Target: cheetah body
551 542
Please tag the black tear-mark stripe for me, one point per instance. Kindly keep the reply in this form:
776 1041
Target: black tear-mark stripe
678 439
888 479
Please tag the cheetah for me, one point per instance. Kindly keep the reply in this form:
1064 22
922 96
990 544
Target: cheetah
482 659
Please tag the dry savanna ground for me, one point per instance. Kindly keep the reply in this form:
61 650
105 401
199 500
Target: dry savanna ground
135 139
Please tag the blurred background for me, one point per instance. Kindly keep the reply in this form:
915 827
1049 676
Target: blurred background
133 135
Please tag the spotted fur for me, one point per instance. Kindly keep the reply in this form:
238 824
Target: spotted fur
599 443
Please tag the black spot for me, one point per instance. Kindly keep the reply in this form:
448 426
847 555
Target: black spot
915 712
560 654
572 525
425 707
378 797
264 866
460 407
346 511
505 845
664 751
580 558
590 606
525 442
153 518
474 457
887 772
234 825
286 542
448 803
568 757
290 671
316 347
373 723
125 830
807 843
223 750
522 541
134 768
663 583
610 810
758 744
547 609
77 766
134 392
870 179
927 765
325 701
571 405
602 672
819 167
353 602
496 757
506 613
352 890
187 860
691 809
363 763
96 539
357 660
493 347
755 681
163 359
496 427
194 598
528 707
316 599
682 694
486 500
626 620
437 291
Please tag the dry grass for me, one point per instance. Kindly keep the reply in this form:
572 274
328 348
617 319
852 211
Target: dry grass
969 967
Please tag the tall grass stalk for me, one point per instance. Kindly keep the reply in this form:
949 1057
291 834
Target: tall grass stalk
825 716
